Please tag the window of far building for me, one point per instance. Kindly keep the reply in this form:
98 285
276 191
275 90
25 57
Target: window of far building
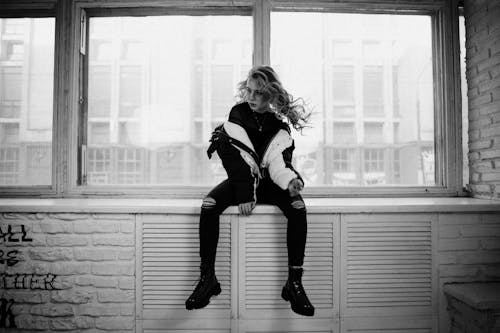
157 86
368 79
26 100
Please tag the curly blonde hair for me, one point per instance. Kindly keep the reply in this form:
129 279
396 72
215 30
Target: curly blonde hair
280 101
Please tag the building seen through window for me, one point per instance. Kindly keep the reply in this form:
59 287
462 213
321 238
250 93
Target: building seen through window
158 85
368 80
26 100
152 106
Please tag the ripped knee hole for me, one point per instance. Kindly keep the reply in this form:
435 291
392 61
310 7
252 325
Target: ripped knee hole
208 203
298 204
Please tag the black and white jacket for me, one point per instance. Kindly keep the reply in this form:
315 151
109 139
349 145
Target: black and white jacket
245 167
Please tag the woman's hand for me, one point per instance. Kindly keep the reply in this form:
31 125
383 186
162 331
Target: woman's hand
295 186
246 208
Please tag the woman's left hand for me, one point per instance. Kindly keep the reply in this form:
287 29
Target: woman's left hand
246 208
295 186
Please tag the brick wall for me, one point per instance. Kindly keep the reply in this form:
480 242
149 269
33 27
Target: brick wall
67 272
76 272
483 79
468 250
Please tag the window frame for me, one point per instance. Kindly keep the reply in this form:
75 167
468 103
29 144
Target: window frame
105 8
447 121
41 9
67 118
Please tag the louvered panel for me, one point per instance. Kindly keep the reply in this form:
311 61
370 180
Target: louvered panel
387 324
388 262
405 330
170 262
187 331
289 331
266 263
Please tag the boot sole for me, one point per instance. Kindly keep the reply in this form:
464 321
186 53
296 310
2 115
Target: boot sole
286 297
216 290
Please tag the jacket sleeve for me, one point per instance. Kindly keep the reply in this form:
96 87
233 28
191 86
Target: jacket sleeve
281 169
287 157
238 172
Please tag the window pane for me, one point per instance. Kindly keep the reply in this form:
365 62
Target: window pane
342 49
374 133
371 74
98 133
343 166
374 165
99 91
373 91
222 90
130 90
343 91
157 87
343 133
373 49
26 100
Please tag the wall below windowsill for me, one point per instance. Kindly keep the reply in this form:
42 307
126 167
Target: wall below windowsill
192 206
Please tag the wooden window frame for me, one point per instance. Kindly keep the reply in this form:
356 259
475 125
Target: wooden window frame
41 9
68 96
447 127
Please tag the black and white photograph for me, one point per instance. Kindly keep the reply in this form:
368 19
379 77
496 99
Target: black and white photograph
250 166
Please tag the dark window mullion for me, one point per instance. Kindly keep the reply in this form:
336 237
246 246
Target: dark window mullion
83 99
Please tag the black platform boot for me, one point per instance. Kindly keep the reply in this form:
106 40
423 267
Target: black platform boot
207 287
294 292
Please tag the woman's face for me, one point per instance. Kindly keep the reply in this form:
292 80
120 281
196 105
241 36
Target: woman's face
256 97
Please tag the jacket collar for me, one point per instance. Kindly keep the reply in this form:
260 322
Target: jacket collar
238 132
280 141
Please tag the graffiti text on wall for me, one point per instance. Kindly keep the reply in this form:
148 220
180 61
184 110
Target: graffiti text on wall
6 315
14 235
27 281
17 234
9 258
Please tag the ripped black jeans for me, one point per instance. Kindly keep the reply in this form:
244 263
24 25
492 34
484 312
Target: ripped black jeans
222 196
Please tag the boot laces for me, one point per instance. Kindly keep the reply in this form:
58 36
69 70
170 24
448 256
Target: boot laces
199 283
299 288
204 278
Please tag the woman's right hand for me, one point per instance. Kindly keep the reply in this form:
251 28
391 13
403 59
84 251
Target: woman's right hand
295 186
246 208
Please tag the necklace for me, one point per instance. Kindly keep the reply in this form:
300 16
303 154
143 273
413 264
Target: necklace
260 122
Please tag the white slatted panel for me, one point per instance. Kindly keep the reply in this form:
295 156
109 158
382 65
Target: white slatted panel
297 324
388 262
187 331
385 330
266 263
170 261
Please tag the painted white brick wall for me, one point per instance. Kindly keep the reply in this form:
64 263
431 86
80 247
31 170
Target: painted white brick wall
55 278
483 79
468 250
68 272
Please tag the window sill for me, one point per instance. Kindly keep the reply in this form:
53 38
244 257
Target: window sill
192 206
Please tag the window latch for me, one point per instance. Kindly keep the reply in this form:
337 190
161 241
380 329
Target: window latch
83 161
83 32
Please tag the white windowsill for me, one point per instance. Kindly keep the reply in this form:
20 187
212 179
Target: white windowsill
192 206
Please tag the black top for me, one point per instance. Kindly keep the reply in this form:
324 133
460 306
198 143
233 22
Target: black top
260 128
